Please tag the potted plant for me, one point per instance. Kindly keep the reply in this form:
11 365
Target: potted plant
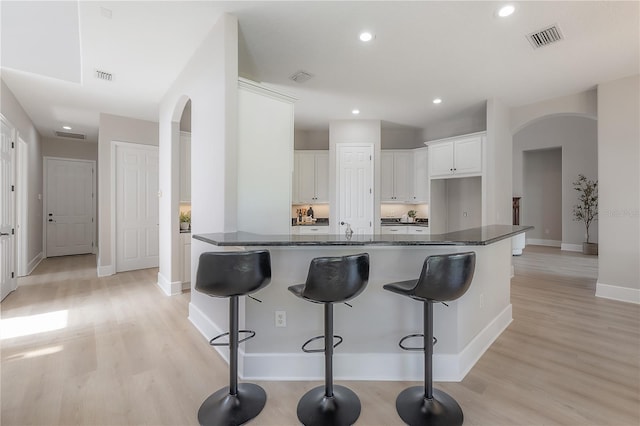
185 220
412 215
587 208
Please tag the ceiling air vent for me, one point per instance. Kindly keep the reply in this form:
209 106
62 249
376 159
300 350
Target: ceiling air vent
103 75
301 76
545 37
70 135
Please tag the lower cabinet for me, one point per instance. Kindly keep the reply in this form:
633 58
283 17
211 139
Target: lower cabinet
186 258
389 230
408 229
310 230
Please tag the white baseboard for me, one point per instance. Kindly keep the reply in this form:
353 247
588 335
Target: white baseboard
540 242
186 285
571 247
106 270
33 263
170 288
208 329
401 366
614 292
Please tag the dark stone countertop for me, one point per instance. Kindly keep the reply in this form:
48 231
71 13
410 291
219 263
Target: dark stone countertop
480 236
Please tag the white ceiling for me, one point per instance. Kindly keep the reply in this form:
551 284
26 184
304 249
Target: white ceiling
459 51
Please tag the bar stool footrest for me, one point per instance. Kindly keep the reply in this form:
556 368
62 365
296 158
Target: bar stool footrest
251 333
409 336
313 339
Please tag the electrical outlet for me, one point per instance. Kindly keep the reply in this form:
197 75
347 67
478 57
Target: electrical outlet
465 214
281 319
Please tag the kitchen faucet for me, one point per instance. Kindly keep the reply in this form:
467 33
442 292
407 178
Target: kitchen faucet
348 232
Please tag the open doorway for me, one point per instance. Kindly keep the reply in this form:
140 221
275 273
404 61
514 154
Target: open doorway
542 196
185 197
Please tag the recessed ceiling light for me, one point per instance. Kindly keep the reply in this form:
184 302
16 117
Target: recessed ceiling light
506 11
437 101
355 111
366 36
66 127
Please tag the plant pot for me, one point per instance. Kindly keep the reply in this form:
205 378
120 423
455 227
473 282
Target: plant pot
184 226
590 248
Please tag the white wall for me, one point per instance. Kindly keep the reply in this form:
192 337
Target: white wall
311 139
11 109
401 138
210 81
354 131
265 160
498 165
577 136
63 148
543 194
619 180
120 129
581 104
470 120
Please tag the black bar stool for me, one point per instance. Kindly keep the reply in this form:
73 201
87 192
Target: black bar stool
443 278
331 280
233 274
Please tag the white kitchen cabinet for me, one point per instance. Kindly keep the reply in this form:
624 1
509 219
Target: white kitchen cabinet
310 230
421 176
394 229
404 230
396 176
458 157
418 230
311 177
185 167
186 258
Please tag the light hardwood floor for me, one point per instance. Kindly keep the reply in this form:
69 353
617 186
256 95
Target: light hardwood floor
128 355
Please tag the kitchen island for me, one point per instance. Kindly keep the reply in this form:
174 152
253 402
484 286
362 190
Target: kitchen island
378 319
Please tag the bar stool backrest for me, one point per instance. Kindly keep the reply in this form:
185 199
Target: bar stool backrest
336 279
226 274
445 277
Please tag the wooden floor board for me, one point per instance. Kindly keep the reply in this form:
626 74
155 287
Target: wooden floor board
129 356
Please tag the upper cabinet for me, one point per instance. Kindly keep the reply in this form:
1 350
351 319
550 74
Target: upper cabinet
404 176
396 176
185 167
311 177
456 157
421 175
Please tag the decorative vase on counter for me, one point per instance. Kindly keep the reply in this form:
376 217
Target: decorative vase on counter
184 226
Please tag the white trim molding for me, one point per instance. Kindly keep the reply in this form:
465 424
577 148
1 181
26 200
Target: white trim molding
401 366
106 270
614 292
571 247
33 263
548 243
168 287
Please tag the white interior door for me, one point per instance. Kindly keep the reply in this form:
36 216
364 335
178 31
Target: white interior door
69 206
355 188
136 207
7 198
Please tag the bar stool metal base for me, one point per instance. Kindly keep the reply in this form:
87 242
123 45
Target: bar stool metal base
415 409
317 409
223 409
